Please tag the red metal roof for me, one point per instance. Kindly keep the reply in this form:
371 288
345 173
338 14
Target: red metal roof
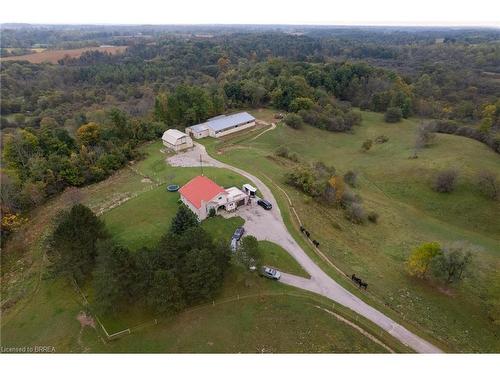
200 188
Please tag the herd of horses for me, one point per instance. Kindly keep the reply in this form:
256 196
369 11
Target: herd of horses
358 281
308 234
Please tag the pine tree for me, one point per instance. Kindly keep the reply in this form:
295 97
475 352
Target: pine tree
73 242
183 220
113 276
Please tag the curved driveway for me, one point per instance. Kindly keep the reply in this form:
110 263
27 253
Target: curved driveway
269 225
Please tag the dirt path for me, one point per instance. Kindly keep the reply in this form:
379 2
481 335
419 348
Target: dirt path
273 126
269 225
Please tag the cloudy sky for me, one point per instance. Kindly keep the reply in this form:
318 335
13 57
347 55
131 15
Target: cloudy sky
312 12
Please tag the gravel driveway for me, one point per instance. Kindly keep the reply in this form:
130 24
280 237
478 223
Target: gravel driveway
269 225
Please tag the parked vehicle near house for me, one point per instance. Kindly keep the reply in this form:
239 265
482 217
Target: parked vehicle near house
265 204
238 233
270 273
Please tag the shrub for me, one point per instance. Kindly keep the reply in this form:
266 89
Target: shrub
294 121
351 178
393 114
488 184
373 217
453 262
445 181
348 198
248 252
355 213
381 139
212 212
282 151
367 145
294 157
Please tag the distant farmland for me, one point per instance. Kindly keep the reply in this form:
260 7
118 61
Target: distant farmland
53 56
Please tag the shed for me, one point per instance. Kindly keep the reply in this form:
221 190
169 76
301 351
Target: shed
176 140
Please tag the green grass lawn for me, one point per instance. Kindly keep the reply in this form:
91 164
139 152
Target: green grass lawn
281 324
262 319
275 256
398 188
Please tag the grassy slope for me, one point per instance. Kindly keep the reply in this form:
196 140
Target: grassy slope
47 312
398 189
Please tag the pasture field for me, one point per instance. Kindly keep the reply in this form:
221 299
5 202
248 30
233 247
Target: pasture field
251 313
462 318
54 55
262 319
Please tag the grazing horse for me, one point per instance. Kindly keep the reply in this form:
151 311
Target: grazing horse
361 283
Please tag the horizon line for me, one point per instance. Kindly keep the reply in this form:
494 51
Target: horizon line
368 24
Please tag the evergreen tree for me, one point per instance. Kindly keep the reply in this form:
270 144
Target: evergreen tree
183 220
113 276
73 242
165 294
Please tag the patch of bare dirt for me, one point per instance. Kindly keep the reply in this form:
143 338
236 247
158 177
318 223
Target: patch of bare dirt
445 290
85 320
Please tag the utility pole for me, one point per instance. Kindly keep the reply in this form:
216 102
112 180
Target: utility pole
201 165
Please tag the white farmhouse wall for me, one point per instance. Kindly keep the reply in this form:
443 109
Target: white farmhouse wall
197 212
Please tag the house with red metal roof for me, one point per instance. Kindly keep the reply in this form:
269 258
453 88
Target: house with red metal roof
201 195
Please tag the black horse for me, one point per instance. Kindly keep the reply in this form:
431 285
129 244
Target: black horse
357 280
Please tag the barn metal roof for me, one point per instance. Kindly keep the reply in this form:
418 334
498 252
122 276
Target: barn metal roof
199 128
223 122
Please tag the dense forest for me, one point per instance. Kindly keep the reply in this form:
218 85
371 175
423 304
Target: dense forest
75 122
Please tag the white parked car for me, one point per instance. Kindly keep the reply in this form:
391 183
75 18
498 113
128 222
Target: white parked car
270 273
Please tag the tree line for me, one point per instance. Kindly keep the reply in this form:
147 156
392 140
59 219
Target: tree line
187 266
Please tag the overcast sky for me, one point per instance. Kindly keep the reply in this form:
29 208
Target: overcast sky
311 12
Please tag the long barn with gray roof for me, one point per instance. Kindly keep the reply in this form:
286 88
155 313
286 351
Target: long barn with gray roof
222 125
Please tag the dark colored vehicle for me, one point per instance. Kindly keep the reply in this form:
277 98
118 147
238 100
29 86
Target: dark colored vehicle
265 204
238 233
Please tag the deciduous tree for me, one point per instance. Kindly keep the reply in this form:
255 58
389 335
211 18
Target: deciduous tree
422 257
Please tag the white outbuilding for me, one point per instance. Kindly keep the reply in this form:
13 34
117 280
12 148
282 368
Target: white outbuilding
222 125
176 140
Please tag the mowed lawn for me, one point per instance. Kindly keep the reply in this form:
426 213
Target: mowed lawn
398 188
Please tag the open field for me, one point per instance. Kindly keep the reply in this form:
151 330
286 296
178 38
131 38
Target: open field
54 55
263 321
398 188
135 202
